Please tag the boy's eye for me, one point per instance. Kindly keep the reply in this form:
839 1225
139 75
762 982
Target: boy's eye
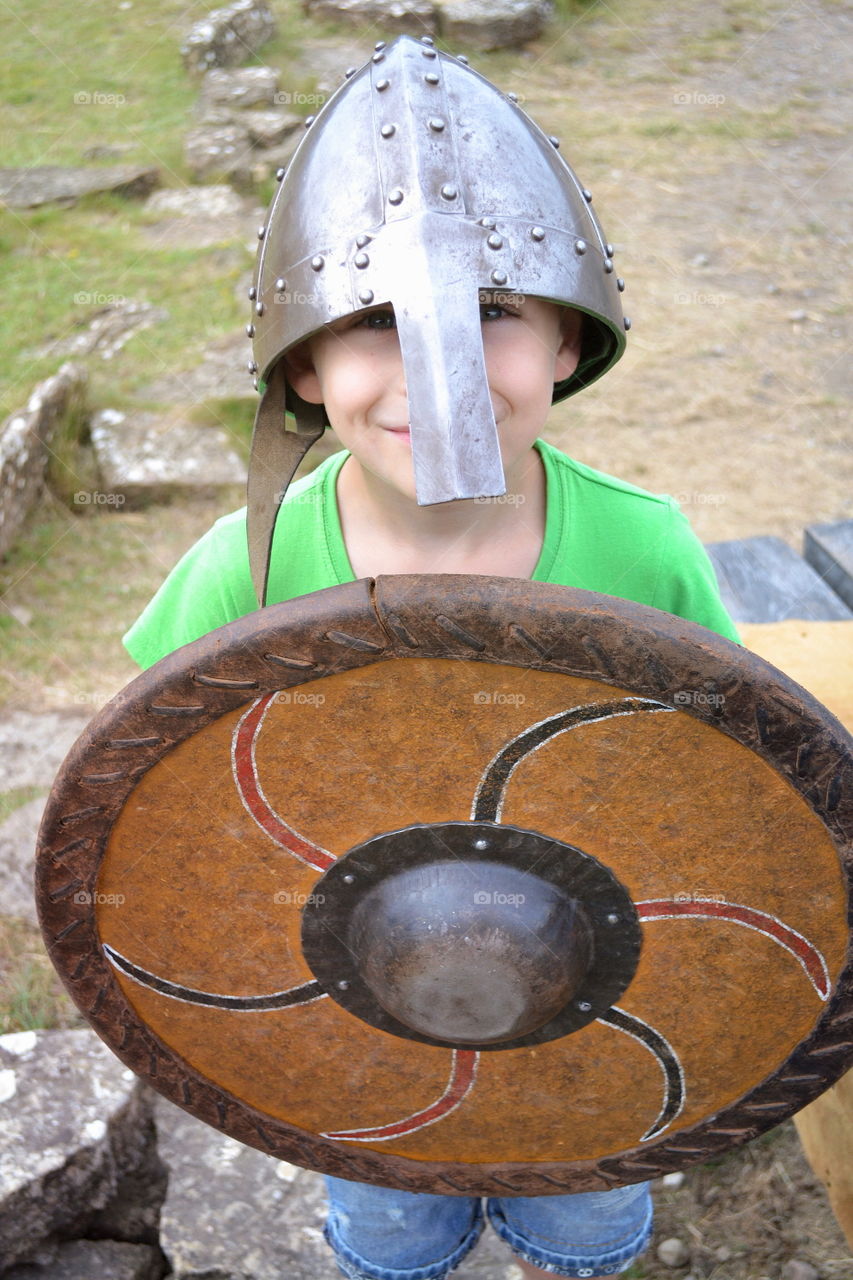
382 319
491 311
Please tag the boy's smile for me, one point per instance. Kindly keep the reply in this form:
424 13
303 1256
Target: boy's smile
355 368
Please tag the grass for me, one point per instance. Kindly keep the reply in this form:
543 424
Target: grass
31 995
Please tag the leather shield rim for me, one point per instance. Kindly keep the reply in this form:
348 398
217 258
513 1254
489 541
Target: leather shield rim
513 622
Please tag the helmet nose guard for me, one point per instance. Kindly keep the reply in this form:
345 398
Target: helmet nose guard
420 185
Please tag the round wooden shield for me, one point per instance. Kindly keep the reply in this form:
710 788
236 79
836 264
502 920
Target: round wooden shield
463 885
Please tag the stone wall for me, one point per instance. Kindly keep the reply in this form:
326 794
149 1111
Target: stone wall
27 442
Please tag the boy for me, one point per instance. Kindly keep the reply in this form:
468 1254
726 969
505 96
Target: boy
431 306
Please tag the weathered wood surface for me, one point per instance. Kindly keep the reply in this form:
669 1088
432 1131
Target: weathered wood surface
764 580
829 550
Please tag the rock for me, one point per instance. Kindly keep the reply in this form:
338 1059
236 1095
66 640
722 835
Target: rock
269 128
796 1270
248 87
17 860
673 1252
48 184
95 1260
232 1211
111 326
217 150
493 24
33 746
196 202
146 458
196 216
74 1126
407 17
27 442
227 37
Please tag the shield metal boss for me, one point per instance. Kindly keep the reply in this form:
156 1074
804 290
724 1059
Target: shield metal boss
463 885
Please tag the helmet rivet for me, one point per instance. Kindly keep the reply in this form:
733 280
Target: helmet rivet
279 174
580 246
449 192
309 120
365 297
513 97
252 366
250 331
495 241
317 263
461 58
255 384
587 195
395 196
620 284
388 130
362 240
608 249
380 44
555 142
499 277
436 124
379 57
432 77
259 308
627 323
537 233
427 40
382 84
253 293
262 231
428 53
280 284
350 72
361 261
608 265
488 223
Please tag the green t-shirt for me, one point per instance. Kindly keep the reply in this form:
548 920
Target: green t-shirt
601 534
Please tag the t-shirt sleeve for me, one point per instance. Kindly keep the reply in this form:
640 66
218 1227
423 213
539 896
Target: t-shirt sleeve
208 587
687 585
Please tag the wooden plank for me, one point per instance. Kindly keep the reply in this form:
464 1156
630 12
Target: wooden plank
764 580
829 549
819 656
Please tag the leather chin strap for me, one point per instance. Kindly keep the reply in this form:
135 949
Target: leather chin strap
275 455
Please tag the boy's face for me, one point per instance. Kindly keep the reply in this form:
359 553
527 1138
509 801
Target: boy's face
354 367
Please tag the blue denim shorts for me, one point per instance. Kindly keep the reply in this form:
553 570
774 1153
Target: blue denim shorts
381 1234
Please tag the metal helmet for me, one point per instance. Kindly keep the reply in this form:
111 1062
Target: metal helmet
420 185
